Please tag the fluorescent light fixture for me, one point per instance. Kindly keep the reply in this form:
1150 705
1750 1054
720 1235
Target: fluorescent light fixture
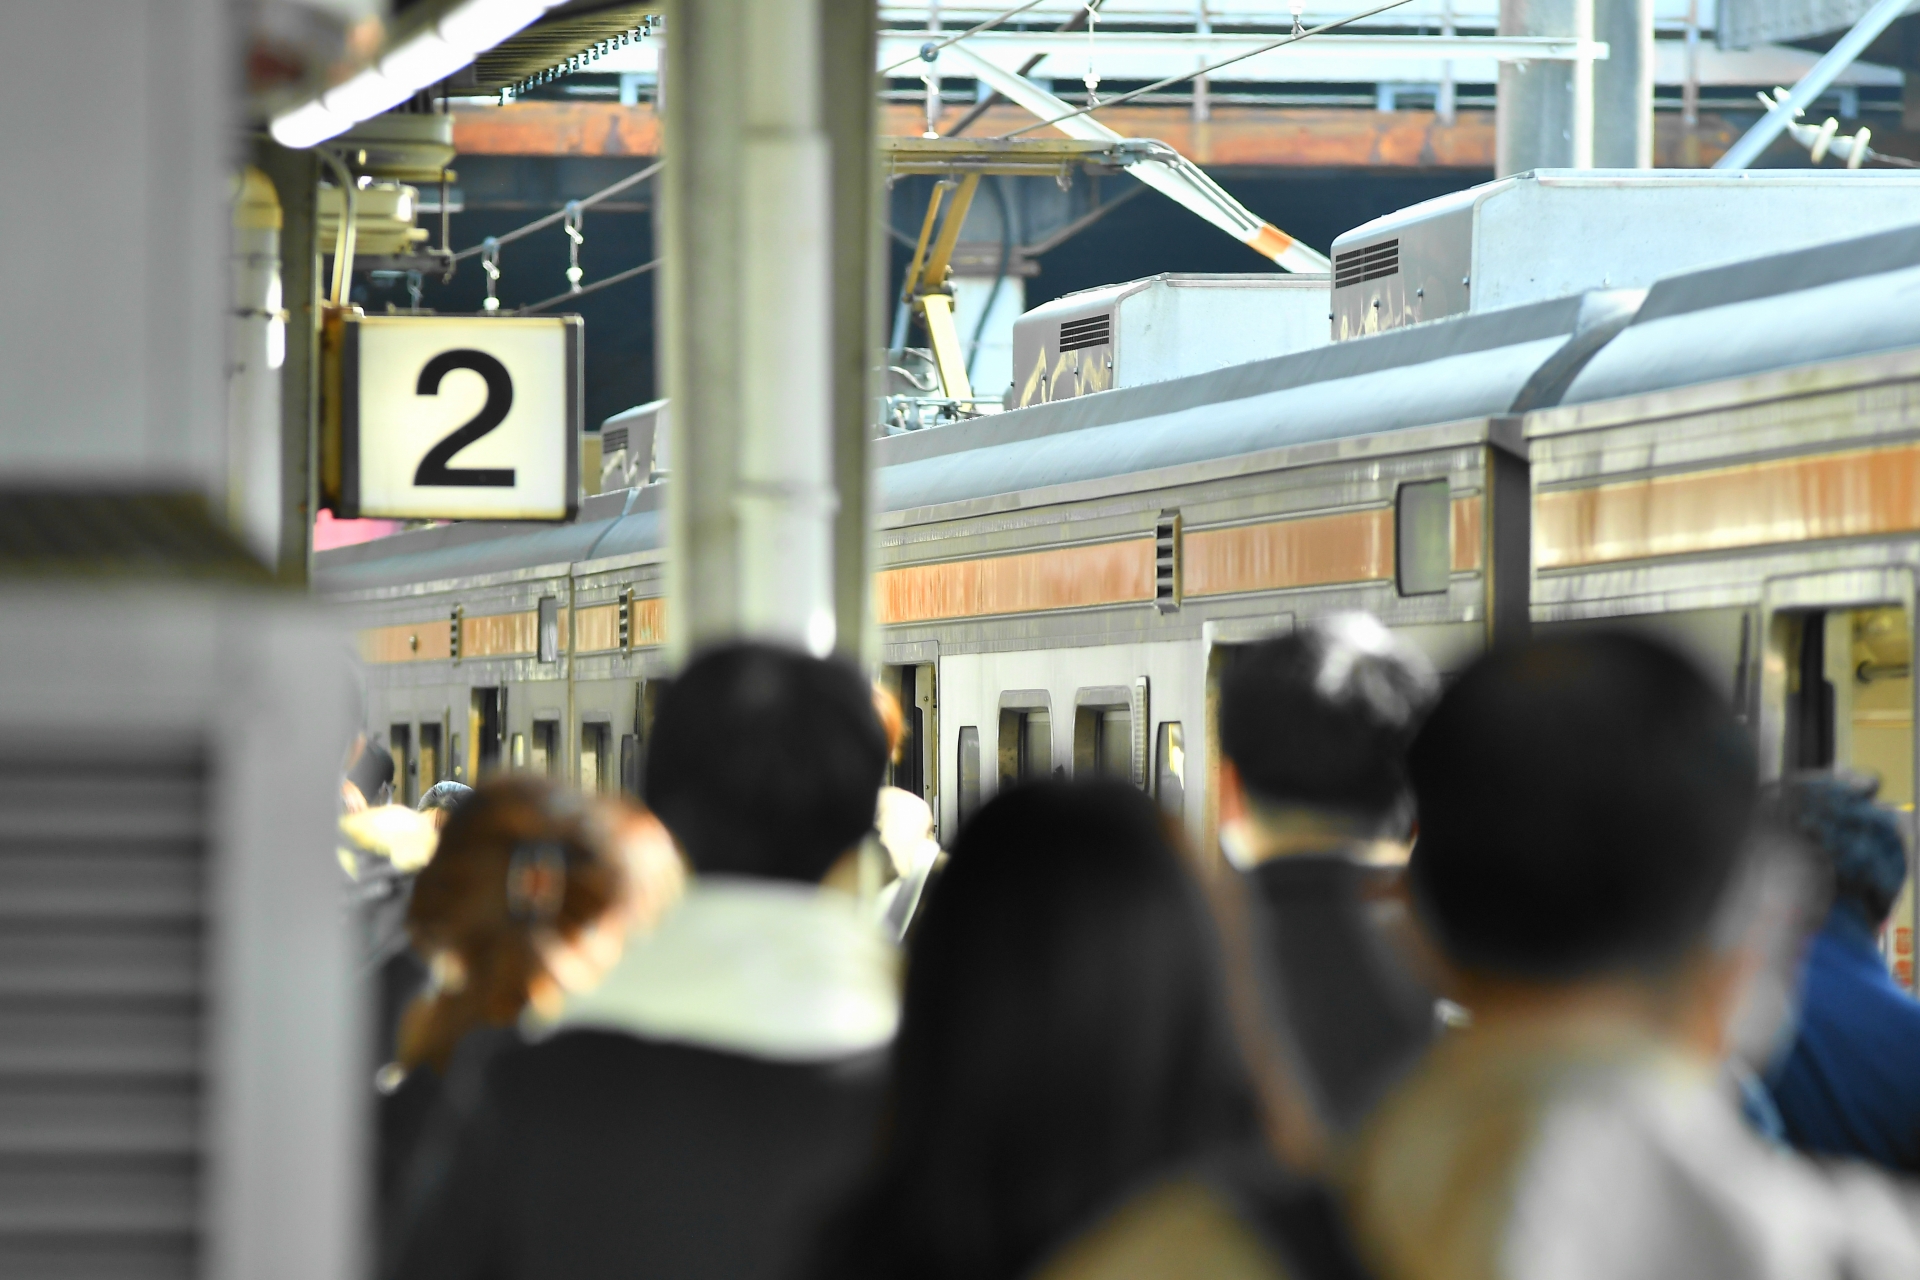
423 59
307 125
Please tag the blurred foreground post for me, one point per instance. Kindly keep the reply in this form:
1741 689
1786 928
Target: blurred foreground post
770 299
176 990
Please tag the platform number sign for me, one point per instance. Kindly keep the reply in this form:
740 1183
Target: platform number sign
458 417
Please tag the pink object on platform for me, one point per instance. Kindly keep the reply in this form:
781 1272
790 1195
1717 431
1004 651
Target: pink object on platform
329 533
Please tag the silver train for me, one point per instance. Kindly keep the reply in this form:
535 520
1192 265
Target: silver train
1731 459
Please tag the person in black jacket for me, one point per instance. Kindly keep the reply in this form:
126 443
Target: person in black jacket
684 1117
1315 809
1069 1098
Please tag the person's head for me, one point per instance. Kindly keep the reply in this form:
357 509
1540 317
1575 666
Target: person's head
514 908
1064 1034
369 774
1857 840
441 799
1585 807
1318 722
893 720
766 762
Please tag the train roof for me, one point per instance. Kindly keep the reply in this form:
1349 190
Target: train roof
1852 297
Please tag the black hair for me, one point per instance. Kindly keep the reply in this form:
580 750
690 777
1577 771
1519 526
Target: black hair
1584 804
372 770
1065 1035
1322 717
765 762
1857 841
446 795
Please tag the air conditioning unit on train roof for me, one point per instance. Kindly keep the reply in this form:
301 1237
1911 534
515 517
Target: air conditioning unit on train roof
1162 327
1552 233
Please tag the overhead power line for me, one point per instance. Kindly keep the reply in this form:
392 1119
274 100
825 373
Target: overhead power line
1208 70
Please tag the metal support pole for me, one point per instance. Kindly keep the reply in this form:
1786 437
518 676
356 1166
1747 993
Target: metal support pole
1837 59
1544 110
1623 85
296 178
768 317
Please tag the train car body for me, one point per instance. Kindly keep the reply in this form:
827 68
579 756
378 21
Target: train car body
1731 458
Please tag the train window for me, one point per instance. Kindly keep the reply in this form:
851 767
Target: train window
455 759
1026 744
1170 769
545 758
969 762
595 759
549 639
405 768
630 763
1423 537
430 763
517 751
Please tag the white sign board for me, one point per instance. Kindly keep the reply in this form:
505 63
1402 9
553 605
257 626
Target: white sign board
460 417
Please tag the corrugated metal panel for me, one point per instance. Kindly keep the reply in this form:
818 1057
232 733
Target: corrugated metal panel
103 868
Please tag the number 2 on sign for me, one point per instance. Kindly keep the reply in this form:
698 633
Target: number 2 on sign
433 468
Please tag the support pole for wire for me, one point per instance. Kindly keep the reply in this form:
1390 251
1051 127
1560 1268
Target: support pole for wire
1818 79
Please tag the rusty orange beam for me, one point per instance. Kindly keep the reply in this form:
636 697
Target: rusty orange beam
1250 137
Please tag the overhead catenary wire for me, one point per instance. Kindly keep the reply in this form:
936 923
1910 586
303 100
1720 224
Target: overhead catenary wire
1158 85
936 46
586 289
559 215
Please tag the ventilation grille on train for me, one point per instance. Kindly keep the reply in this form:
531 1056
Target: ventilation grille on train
1089 331
612 440
103 1001
1357 266
1166 562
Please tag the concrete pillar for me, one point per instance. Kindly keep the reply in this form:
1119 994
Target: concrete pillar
768 211
1544 117
1623 85
296 178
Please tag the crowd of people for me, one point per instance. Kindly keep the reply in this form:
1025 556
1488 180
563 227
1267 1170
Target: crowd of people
1526 976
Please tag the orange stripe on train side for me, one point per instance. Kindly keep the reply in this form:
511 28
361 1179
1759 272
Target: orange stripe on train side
406 642
500 635
596 627
1837 495
1066 578
1466 534
1351 546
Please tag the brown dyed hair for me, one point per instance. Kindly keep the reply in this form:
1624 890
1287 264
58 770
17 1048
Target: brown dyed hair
520 859
892 719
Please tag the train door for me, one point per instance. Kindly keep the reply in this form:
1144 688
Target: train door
406 767
916 769
486 725
545 757
1837 691
430 761
1026 737
1221 641
596 757
1110 733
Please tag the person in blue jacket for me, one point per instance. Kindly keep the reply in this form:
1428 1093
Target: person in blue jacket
1850 1085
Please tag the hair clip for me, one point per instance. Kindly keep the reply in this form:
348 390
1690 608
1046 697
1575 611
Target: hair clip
536 882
